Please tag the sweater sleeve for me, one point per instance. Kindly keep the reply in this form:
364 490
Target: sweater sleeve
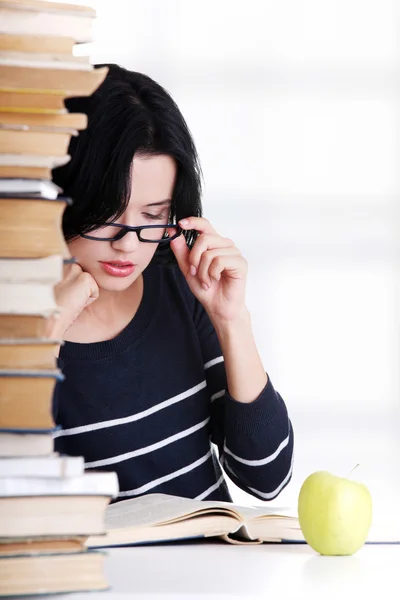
255 440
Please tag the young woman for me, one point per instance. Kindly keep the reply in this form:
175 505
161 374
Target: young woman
160 363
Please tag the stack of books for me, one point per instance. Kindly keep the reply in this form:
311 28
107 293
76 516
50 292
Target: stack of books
48 504
37 72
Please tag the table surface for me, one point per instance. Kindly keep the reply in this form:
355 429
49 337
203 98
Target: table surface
211 570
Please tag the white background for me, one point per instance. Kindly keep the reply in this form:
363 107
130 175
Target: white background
294 107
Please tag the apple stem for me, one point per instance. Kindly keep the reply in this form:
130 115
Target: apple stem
353 469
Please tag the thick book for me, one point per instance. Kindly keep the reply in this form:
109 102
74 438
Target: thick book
51 573
31 228
31 102
26 443
42 466
34 142
20 17
26 399
43 506
25 172
41 545
37 43
71 82
20 327
34 270
27 297
28 353
38 516
31 188
160 517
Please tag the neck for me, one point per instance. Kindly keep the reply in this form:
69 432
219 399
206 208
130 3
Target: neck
112 303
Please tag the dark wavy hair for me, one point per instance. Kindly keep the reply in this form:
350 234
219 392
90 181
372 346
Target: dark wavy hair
128 114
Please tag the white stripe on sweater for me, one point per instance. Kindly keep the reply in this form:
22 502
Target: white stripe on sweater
146 449
262 461
270 495
156 482
131 418
264 495
213 362
217 395
210 489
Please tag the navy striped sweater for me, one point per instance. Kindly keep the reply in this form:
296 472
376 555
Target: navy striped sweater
152 405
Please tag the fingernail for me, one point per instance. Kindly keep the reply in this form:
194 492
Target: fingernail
184 222
205 286
193 270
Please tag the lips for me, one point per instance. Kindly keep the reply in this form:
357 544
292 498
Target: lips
118 268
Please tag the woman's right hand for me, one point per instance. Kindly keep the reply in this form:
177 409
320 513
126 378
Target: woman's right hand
74 293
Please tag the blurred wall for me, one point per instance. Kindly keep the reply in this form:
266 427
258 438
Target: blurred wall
294 106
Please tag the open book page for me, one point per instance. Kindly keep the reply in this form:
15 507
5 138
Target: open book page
156 517
194 527
157 509
269 524
265 512
159 517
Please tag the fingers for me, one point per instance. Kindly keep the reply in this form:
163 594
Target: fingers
234 265
181 252
77 290
213 262
89 287
198 223
72 271
205 242
210 256
74 274
90 300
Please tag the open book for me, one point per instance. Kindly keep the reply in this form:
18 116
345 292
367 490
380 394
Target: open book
160 517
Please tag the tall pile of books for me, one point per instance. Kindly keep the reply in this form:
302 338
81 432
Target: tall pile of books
48 504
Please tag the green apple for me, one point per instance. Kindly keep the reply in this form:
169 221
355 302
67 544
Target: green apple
335 513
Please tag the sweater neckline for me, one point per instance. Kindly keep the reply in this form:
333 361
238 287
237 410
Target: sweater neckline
130 335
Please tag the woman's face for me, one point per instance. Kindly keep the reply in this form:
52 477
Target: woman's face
153 179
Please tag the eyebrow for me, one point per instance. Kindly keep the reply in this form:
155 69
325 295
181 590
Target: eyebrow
163 202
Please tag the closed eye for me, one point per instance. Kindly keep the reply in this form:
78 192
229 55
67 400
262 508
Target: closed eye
159 217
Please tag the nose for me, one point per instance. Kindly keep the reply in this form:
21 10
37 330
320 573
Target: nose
129 243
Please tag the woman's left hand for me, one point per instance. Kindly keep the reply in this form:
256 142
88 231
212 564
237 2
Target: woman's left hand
214 269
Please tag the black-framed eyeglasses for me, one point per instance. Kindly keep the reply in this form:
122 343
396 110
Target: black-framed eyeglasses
153 234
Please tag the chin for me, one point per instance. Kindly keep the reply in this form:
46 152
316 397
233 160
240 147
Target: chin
115 284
